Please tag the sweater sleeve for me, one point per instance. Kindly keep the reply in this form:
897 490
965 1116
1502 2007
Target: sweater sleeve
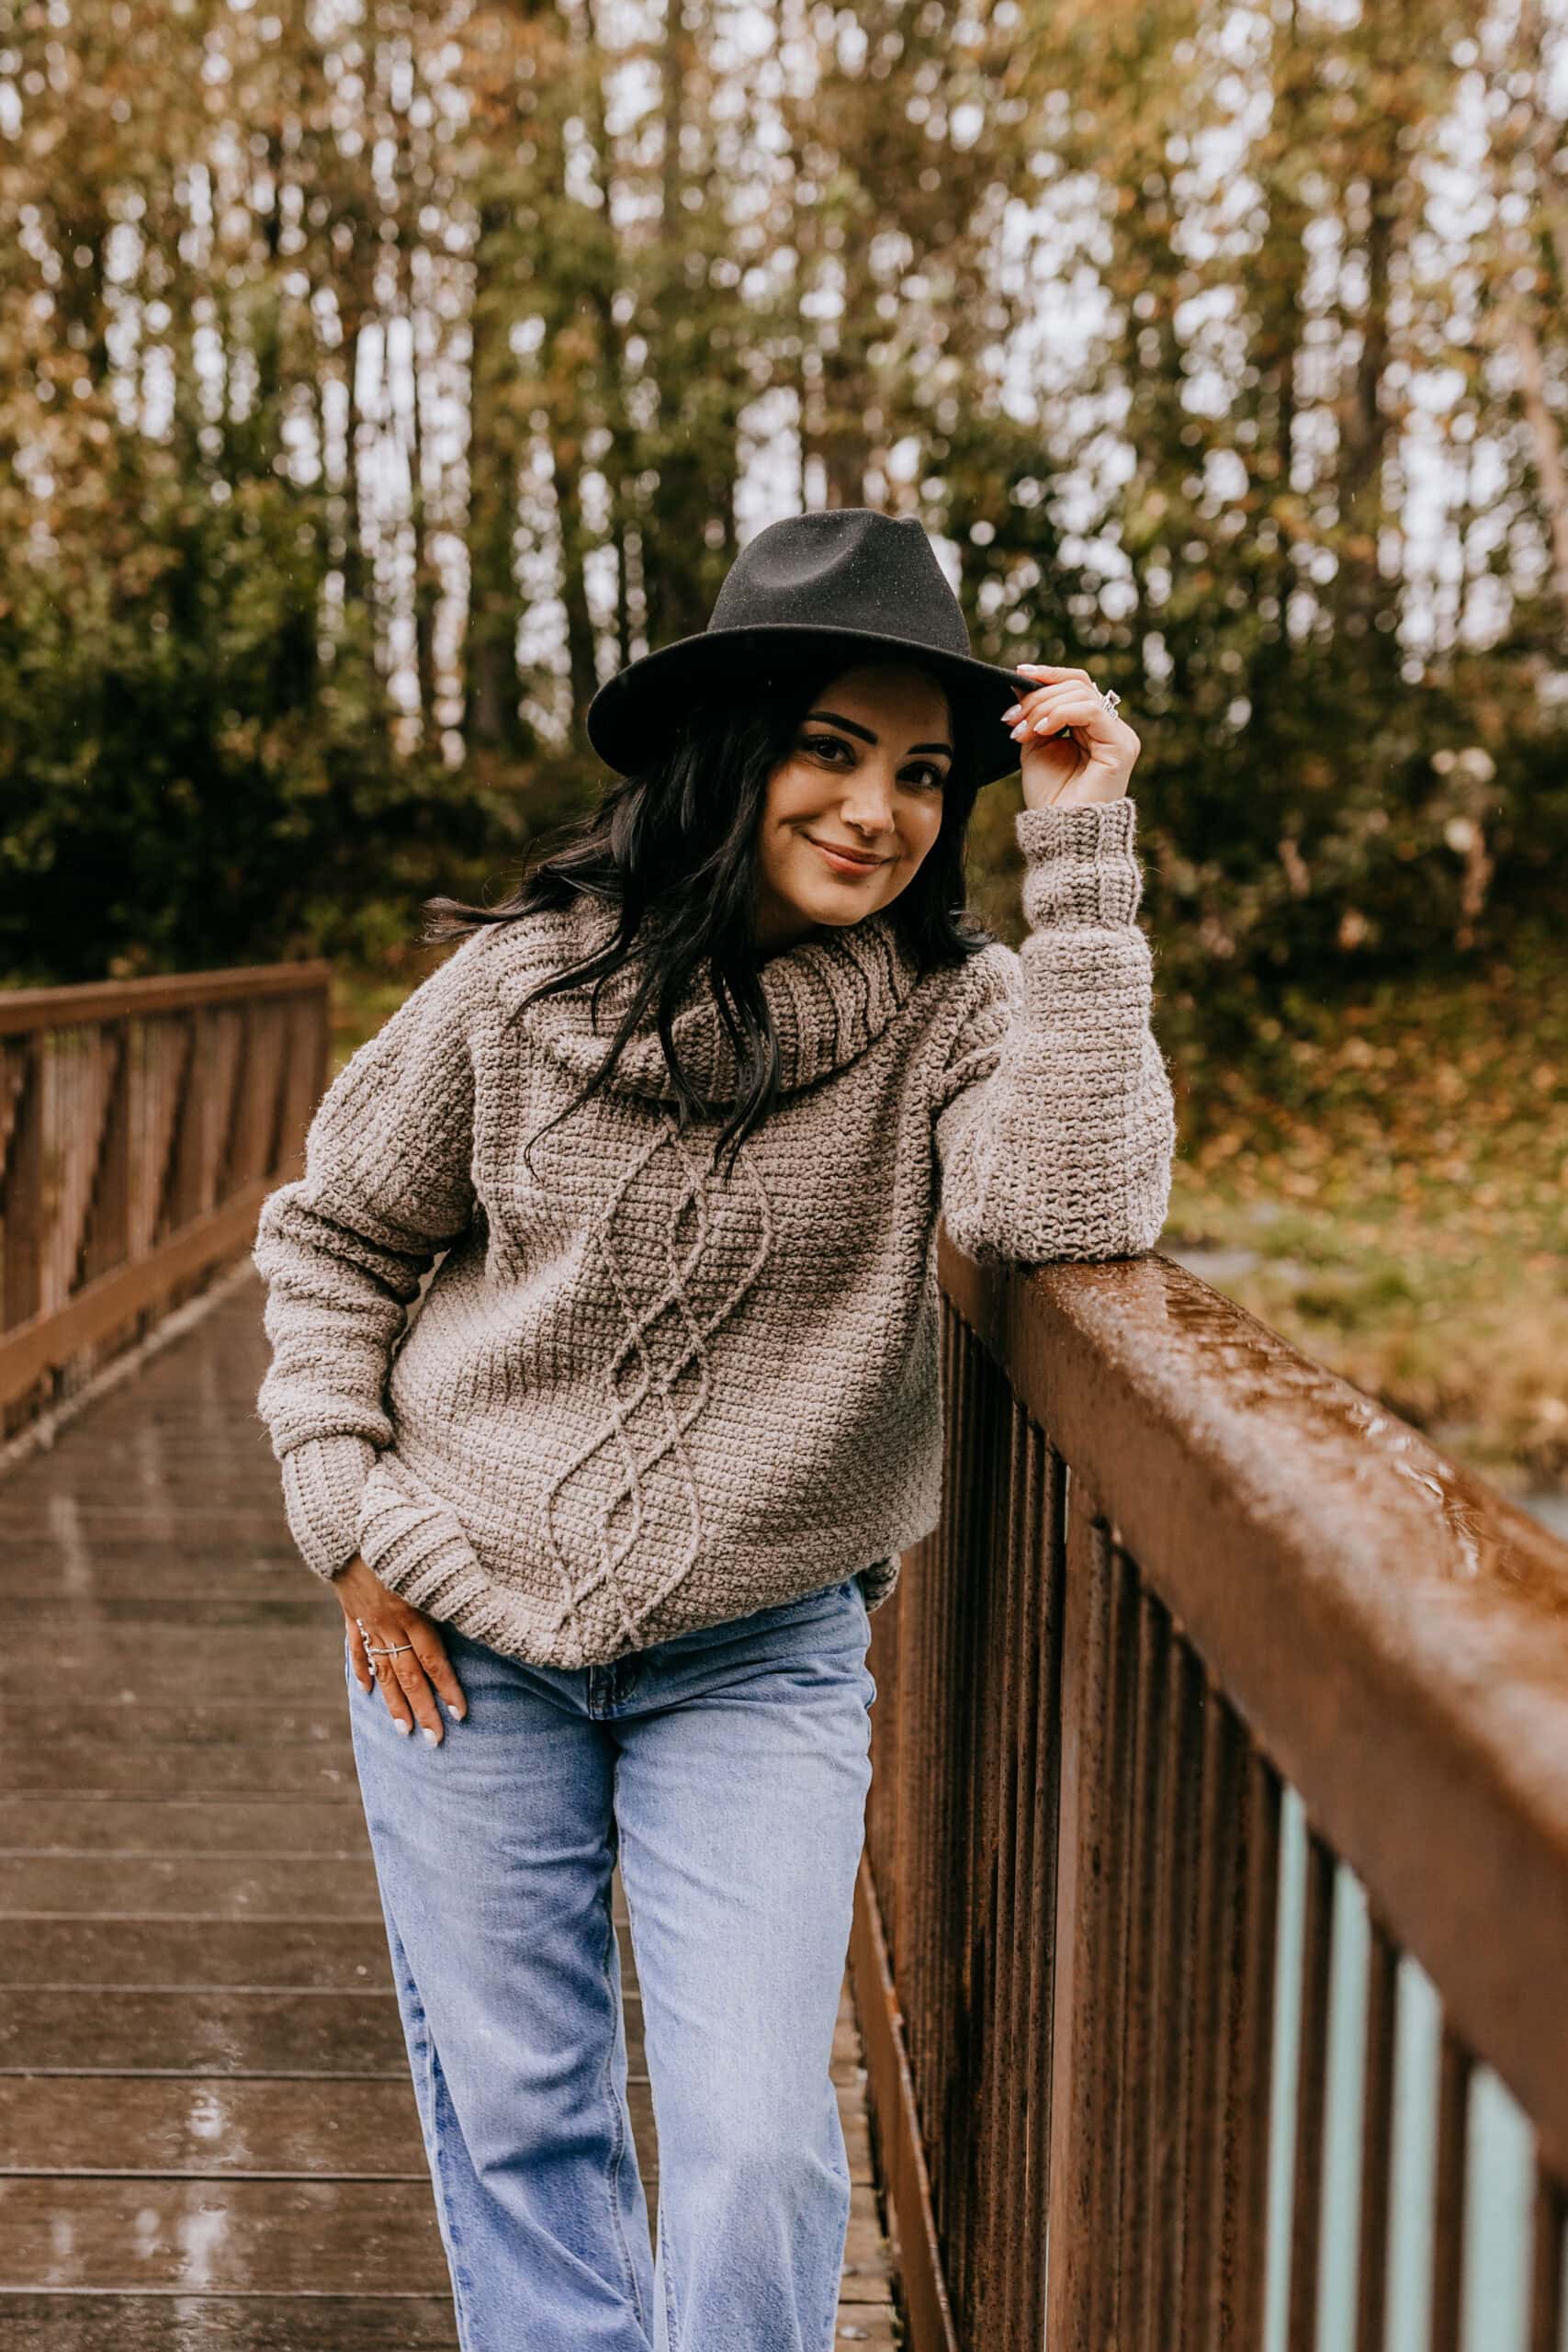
342 1251
1056 1126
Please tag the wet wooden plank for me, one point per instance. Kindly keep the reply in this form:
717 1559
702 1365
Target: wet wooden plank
269 2324
100 2234
138 1664
43 1616
282 2237
141 2322
119 1825
229 1756
59 1561
218 1886
154 2125
194 2031
52 1716
154 1524
323 1955
132 1481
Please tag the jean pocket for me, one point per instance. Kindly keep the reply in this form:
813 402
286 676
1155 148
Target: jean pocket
837 1605
846 1594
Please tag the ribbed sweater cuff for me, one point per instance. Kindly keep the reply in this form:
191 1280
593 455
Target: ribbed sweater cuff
322 1478
1079 865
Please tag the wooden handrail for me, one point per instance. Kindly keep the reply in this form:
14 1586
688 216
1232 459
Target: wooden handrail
141 1124
1187 1578
22 1010
1392 1631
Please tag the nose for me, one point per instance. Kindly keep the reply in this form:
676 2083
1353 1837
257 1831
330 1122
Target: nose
867 803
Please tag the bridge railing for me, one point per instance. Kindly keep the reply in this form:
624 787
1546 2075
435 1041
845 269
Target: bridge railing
1212 1939
143 1123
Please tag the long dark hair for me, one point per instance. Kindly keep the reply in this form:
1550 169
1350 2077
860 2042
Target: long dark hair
673 849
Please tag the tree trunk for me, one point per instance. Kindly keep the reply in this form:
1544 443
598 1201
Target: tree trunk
492 719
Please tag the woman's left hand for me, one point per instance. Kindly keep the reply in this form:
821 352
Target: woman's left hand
1090 762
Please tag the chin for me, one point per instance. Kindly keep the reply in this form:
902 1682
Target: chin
841 913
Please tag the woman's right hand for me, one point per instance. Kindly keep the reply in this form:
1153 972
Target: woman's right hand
411 1681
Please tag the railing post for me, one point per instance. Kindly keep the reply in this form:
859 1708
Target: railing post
1099 1631
23 1209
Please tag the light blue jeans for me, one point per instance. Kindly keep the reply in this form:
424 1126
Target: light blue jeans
728 1767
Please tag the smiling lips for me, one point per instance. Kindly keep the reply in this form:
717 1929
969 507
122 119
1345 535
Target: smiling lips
845 861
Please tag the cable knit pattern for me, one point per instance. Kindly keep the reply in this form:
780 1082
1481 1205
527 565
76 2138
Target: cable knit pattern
639 1396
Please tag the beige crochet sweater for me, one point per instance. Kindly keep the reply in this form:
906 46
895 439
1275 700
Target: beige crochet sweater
637 1397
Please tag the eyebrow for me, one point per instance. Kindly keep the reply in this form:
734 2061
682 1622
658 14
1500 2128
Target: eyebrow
854 727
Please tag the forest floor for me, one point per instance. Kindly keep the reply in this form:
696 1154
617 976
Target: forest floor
1384 1181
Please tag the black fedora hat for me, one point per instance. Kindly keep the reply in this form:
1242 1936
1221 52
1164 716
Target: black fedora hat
845 578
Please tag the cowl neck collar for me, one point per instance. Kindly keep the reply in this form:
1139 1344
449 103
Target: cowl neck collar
831 996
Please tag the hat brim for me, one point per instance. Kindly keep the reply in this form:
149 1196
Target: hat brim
629 717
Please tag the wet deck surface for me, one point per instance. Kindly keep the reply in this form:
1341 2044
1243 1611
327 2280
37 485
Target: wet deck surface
208 2136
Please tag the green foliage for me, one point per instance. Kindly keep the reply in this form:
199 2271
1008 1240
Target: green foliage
182 782
367 398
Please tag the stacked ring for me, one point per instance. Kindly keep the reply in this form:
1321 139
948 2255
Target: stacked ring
390 1650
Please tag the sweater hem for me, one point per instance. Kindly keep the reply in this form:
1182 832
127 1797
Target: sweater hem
451 1584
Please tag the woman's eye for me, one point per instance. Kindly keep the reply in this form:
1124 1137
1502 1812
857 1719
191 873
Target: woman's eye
925 775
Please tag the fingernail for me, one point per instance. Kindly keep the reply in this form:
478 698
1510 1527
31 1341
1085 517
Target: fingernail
1019 730
1013 713
432 1738
404 1728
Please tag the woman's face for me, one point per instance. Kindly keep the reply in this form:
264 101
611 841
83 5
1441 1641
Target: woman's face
864 776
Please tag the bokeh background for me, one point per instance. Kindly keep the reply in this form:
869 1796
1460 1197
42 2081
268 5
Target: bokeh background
376 379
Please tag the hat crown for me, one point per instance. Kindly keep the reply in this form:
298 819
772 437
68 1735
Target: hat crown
842 581
844 567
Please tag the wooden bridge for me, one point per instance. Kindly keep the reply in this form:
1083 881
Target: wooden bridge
1205 1988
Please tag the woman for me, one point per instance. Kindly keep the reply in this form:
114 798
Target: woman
619 1498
